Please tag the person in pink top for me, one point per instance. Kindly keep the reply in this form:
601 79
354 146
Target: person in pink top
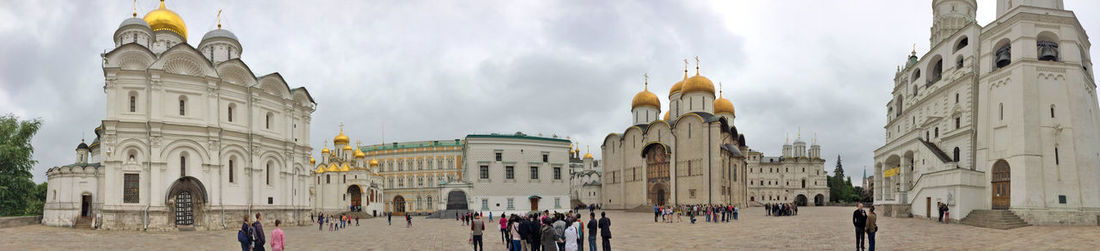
503 229
278 239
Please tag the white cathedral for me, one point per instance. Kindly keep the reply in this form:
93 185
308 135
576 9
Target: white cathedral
1001 118
191 138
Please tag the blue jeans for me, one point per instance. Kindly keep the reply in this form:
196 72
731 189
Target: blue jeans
516 246
870 241
592 243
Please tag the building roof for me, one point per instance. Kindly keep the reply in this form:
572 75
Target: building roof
516 136
732 149
415 144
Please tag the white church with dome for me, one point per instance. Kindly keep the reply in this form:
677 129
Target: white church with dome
192 138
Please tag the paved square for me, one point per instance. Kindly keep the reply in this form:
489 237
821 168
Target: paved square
826 228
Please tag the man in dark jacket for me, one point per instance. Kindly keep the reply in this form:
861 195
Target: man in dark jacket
592 226
859 220
605 231
245 235
258 228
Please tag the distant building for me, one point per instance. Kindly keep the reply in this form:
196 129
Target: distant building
796 177
584 179
413 173
517 172
345 180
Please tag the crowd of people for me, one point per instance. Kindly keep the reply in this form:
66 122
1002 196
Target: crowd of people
335 223
252 238
710 212
780 209
545 231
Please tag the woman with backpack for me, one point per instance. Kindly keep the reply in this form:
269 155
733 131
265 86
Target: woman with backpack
244 236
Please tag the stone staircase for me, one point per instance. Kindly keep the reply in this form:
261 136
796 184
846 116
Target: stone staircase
996 219
83 223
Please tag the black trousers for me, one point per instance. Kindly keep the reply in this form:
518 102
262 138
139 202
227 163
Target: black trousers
606 244
859 238
478 244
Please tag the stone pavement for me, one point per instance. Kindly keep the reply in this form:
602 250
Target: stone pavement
816 228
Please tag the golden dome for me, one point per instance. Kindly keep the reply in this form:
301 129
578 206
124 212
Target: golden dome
320 169
164 19
723 105
345 168
348 148
324 150
312 161
341 139
373 162
645 98
666 115
679 85
360 154
332 168
698 83
588 155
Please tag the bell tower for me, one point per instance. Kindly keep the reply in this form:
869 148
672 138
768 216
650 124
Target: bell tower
949 16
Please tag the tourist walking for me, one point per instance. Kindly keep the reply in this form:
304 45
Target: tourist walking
356 220
605 231
656 212
578 223
559 226
872 227
477 228
278 239
258 228
408 221
859 220
389 219
503 229
514 231
320 222
244 236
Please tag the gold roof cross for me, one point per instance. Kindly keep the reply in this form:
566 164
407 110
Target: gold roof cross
219 18
696 65
646 76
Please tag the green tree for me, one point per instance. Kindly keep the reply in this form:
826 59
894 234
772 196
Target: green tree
16 163
840 186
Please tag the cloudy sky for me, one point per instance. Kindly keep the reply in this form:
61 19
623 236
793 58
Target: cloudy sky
442 69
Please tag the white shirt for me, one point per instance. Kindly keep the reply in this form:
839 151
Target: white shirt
571 238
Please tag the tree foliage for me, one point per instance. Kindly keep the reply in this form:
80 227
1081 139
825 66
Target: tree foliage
840 186
16 187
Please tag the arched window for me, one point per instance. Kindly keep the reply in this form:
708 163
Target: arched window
1002 111
1047 46
231 170
267 121
962 43
937 72
229 112
959 62
1003 55
916 75
183 164
269 173
956 154
133 102
183 105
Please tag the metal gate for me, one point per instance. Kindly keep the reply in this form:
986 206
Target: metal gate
184 213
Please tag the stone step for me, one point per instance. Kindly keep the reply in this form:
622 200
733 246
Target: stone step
996 219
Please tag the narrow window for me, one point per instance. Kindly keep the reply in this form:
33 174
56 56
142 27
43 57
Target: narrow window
183 106
230 170
545 158
183 165
230 113
267 121
1002 110
1051 110
956 154
937 132
484 172
328 179
1056 161
956 98
510 172
133 103
269 173
957 122
534 172
499 156
557 173
130 188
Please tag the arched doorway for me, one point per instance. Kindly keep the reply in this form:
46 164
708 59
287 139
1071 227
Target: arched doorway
186 199
1001 185
356 194
398 205
85 205
800 200
456 200
819 200
657 174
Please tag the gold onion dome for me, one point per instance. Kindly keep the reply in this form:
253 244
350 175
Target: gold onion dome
666 115
678 86
360 154
348 148
312 161
324 150
373 162
723 105
645 98
341 139
698 83
164 19
588 155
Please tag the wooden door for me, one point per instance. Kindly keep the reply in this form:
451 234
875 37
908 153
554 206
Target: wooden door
928 207
534 204
1001 185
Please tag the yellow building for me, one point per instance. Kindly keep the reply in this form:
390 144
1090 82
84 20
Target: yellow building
413 173
345 179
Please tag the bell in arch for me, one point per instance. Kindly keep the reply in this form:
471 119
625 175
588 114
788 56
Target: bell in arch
1004 56
1048 51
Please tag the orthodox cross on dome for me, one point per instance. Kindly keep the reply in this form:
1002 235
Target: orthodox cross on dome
341 127
219 19
646 77
685 66
719 89
135 9
914 49
696 65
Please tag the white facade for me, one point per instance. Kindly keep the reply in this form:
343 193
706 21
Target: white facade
345 181
798 178
189 140
997 117
517 173
585 176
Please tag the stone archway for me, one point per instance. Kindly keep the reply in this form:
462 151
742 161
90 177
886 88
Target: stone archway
800 200
657 174
356 194
819 200
398 205
186 200
1001 185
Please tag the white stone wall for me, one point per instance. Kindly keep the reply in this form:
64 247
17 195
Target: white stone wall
522 153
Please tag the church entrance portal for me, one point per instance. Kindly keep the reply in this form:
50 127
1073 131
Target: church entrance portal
819 200
800 200
186 198
534 202
456 200
1001 185
399 205
657 174
85 205
356 197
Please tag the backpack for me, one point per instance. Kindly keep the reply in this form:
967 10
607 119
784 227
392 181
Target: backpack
241 236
